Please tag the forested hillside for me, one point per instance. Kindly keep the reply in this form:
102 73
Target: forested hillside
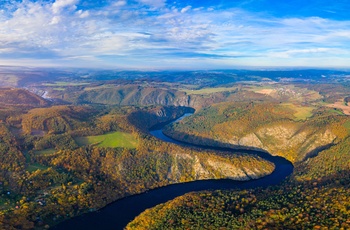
58 161
264 125
140 93
89 145
21 97
316 196
290 206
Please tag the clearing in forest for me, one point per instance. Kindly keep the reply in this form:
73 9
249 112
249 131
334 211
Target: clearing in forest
113 140
301 112
342 106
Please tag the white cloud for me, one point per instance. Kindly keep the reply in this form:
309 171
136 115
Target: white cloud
308 51
303 52
132 30
185 9
6 50
83 14
119 3
58 5
55 20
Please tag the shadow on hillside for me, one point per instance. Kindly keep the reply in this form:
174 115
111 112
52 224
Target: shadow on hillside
316 151
203 142
146 120
210 144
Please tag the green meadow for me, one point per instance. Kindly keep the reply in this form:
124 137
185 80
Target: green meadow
347 126
301 112
209 90
113 140
64 84
45 152
36 166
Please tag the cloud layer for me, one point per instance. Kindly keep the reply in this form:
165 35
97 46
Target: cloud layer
157 34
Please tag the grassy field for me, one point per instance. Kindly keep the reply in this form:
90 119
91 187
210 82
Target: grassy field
36 166
64 83
340 105
336 111
45 152
260 89
293 93
347 126
209 90
105 86
301 112
115 139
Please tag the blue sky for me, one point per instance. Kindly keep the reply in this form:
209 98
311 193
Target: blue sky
160 34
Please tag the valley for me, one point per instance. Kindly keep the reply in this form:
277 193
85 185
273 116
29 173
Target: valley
74 142
174 115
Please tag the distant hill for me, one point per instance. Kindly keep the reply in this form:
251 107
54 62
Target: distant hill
14 96
144 95
126 95
56 119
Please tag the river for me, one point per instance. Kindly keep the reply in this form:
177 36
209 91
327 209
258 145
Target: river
119 213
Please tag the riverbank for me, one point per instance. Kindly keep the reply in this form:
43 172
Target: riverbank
119 213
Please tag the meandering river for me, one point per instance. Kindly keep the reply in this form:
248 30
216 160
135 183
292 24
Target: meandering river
119 213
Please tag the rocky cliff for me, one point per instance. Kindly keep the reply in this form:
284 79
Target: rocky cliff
276 133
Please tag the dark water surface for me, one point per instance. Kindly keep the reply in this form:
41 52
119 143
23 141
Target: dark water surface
119 213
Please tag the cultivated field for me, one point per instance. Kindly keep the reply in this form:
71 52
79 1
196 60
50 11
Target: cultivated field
113 140
342 106
209 90
36 166
64 84
45 152
301 112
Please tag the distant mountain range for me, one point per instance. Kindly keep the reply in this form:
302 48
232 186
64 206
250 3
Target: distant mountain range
23 77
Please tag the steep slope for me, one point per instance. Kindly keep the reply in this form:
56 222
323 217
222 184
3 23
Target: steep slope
316 196
327 164
267 126
52 178
143 94
131 95
56 119
14 96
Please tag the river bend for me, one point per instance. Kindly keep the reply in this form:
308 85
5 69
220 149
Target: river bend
119 213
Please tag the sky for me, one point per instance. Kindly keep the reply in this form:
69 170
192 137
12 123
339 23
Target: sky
161 34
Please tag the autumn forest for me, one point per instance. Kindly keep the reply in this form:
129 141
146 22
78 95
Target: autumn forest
71 145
